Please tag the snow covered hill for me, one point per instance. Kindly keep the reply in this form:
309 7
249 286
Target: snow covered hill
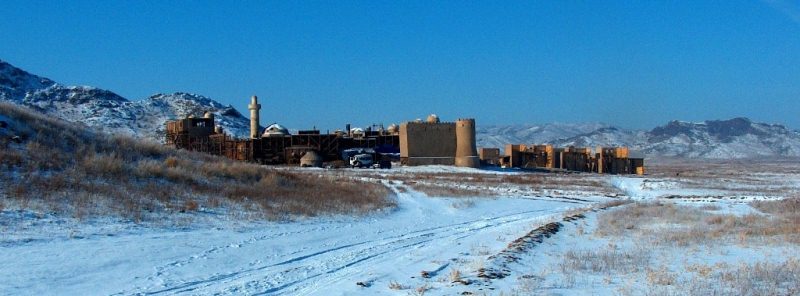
733 138
500 135
717 139
106 111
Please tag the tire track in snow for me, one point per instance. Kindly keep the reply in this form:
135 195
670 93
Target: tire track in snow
423 233
456 233
356 256
279 276
162 270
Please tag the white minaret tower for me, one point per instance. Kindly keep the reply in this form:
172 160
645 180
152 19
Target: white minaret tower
255 109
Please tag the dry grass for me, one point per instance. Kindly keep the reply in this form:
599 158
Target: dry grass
455 275
659 236
667 223
612 203
61 167
610 261
447 191
772 177
788 208
712 168
760 278
442 184
463 203
528 284
396 286
421 290
661 276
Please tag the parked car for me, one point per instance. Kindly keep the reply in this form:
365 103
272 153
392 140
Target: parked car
361 160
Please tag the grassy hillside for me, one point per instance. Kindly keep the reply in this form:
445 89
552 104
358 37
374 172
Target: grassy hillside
60 167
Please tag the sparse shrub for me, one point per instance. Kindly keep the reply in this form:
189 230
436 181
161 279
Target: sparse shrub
17 191
710 207
783 207
455 275
10 158
106 165
528 284
662 277
613 203
434 190
480 250
396 286
190 206
702 269
421 290
171 162
605 261
463 203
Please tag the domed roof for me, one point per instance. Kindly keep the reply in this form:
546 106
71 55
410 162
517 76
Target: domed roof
311 155
275 130
311 159
392 128
433 118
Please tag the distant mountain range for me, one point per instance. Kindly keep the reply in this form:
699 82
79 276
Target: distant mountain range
106 111
717 139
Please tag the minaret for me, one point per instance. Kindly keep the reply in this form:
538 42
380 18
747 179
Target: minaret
255 108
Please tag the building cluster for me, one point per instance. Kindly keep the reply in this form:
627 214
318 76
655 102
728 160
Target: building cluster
428 142
603 160
412 143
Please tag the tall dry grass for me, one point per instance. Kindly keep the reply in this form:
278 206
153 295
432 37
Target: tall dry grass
758 278
671 224
610 260
764 176
483 184
660 230
66 168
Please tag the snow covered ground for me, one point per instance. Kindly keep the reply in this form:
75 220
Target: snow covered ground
323 256
426 245
578 261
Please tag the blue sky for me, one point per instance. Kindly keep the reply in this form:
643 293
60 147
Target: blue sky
635 64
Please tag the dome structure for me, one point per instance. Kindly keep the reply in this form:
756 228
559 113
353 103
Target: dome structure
357 132
275 130
393 129
433 118
311 159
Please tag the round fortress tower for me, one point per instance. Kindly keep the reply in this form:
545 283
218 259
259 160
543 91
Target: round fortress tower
255 109
466 151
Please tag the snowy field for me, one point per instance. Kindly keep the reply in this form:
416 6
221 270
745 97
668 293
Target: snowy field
499 243
317 256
